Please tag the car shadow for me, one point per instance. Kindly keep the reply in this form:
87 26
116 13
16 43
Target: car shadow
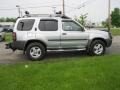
65 54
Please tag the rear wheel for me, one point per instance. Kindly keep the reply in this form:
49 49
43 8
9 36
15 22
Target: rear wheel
36 51
97 48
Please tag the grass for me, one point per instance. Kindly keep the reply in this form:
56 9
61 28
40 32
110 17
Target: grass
8 37
115 32
77 73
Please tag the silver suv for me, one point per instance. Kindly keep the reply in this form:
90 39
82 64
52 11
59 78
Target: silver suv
36 35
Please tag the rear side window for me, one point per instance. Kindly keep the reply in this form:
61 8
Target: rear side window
48 25
25 25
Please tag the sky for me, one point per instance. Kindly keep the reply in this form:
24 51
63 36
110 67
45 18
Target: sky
96 10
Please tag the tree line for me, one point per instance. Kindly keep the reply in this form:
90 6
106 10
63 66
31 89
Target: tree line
115 19
7 19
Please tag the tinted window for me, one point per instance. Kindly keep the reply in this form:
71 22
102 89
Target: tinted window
25 25
71 26
48 25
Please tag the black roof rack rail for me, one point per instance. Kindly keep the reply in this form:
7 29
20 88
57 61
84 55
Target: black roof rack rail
65 17
47 15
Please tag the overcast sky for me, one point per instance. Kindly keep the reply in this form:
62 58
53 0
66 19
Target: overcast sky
97 9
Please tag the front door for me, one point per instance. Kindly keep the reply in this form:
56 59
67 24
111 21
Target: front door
73 35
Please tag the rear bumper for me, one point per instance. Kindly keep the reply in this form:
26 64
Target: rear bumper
16 45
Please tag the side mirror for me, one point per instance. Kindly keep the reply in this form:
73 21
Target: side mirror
83 29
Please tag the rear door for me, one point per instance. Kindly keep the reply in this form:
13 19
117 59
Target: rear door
73 35
25 29
49 32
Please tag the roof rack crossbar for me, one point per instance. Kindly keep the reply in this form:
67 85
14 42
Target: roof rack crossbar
47 15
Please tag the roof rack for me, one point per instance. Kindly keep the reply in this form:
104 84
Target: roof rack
47 15
38 15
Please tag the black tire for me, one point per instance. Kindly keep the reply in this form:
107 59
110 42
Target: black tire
40 46
92 48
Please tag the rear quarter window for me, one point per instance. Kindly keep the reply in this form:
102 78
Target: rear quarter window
25 24
48 25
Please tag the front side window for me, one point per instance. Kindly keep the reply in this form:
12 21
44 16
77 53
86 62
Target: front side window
25 25
71 26
48 25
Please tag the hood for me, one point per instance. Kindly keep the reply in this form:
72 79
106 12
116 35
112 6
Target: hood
95 31
98 33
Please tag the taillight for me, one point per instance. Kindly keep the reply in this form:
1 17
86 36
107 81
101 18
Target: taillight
14 36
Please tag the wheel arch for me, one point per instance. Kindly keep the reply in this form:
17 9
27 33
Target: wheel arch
32 41
102 39
90 42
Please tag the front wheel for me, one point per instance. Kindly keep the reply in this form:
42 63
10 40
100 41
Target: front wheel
97 48
35 51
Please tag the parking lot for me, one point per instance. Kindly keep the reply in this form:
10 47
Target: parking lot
7 56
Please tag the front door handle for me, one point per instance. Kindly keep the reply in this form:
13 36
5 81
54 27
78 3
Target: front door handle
64 33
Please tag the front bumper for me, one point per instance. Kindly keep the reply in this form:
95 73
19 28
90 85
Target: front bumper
109 42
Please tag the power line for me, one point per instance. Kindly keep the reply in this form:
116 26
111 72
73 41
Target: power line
40 6
30 7
82 5
79 7
8 9
41 3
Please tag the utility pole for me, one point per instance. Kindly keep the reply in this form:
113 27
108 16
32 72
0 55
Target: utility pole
19 11
63 12
109 15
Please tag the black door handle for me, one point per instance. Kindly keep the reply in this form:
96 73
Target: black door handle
64 33
35 29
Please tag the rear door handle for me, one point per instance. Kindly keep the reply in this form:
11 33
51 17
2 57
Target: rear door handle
64 33
35 29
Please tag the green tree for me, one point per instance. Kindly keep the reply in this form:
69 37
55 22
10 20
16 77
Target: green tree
115 17
105 23
7 19
2 19
81 19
